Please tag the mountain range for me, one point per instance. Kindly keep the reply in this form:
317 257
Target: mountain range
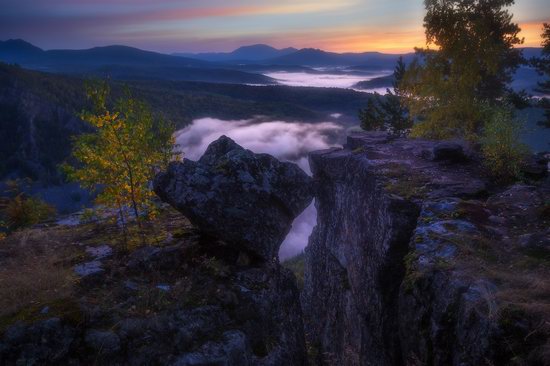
122 62
255 52
262 54
245 65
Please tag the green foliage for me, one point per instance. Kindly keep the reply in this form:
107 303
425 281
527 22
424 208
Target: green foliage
124 153
23 211
371 117
471 63
388 112
502 150
180 102
297 266
19 210
89 215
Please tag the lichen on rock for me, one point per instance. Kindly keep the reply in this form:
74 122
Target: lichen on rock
246 199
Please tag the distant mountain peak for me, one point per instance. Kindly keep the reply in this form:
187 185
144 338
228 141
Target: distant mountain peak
254 52
257 46
18 44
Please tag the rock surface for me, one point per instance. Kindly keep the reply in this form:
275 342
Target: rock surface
188 303
415 260
208 295
245 199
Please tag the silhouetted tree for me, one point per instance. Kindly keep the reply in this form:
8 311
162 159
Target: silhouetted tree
387 112
371 117
468 64
543 66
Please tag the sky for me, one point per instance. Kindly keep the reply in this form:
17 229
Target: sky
392 26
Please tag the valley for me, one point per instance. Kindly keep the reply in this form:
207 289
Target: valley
266 104
275 183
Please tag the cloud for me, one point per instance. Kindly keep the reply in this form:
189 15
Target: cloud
322 80
289 141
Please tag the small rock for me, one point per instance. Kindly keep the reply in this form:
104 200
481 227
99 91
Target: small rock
103 342
232 350
88 268
164 287
497 220
535 168
448 151
153 258
131 285
45 310
99 252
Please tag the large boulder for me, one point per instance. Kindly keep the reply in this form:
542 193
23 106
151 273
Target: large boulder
248 200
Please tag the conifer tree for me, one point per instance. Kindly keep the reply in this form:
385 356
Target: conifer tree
543 66
388 112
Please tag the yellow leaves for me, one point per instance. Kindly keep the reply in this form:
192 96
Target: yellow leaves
121 156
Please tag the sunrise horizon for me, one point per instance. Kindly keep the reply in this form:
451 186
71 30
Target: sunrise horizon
528 32
169 26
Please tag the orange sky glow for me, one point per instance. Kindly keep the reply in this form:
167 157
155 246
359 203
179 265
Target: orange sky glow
391 26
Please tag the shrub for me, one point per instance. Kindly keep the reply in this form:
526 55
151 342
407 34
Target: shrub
296 265
89 215
23 211
502 150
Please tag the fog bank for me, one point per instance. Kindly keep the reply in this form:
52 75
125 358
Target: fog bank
288 141
326 80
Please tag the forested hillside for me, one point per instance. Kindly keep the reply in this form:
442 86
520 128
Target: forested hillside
38 111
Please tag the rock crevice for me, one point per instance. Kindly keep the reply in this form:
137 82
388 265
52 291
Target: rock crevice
416 260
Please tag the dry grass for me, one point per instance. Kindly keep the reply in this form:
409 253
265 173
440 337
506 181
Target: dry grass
34 273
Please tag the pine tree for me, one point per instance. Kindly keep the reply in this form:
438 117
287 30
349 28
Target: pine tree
543 66
388 112
370 117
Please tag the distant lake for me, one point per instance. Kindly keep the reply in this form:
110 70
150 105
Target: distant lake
287 141
327 79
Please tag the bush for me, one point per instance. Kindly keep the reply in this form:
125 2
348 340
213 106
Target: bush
503 152
23 211
89 215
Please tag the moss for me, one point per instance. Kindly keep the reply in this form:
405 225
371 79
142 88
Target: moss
412 273
512 320
214 266
296 265
27 315
427 220
344 281
264 346
68 310
222 167
65 309
545 212
404 182
313 350
180 233
538 255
